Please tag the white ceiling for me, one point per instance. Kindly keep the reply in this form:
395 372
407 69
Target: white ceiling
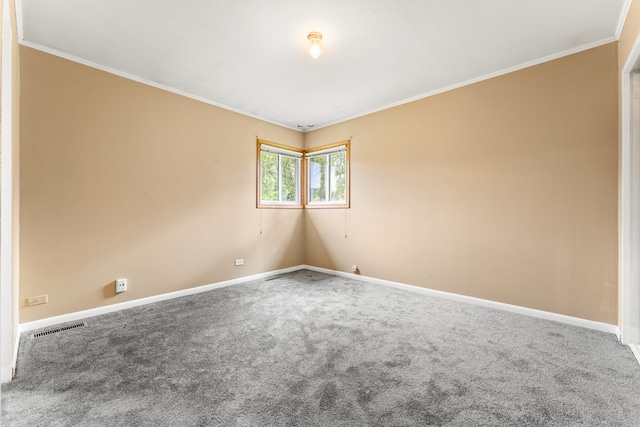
251 56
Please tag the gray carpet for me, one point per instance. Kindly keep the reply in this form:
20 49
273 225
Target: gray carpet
308 349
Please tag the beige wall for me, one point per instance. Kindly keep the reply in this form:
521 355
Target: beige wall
504 190
120 179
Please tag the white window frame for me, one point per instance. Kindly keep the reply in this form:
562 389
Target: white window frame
280 150
327 150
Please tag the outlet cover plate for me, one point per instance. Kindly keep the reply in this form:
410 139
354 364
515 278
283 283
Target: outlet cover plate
121 285
40 299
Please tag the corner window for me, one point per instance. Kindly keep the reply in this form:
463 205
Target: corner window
292 178
279 173
327 175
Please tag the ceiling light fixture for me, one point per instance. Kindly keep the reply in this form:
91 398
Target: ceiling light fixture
315 49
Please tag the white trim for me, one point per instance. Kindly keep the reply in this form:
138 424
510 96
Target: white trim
624 214
78 315
472 81
70 317
16 347
151 83
583 323
324 152
635 348
575 321
6 373
18 4
283 151
623 18
629 234
6 202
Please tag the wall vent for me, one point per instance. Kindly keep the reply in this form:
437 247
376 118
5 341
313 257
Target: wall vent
60 329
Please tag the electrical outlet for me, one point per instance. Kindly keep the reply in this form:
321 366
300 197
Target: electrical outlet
239 262
40 299
121 285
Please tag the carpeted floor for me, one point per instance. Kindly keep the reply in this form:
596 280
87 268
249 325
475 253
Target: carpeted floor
308 349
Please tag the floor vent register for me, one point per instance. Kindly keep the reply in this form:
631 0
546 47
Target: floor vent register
60 329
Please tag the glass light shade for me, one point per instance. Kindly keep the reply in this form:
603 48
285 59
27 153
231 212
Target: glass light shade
315 49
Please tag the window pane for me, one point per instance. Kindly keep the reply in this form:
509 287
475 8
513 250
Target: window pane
338 177
317 172
289 178
269 178
280 177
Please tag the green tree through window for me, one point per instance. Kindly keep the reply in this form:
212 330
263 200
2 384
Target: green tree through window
289 178
328 176
338 176
279 175
269 178
317 179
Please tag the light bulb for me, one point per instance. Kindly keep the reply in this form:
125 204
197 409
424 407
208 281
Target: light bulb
315 49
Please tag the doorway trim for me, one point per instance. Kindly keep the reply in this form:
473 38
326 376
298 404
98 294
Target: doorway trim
629 234
6 203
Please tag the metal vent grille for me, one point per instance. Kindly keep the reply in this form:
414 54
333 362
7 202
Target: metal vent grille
61 329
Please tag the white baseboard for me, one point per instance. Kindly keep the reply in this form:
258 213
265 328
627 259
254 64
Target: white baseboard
16 346
79 315
575 321
5 374
635 348
70 317
7 371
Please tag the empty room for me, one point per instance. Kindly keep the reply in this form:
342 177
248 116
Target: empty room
295 213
